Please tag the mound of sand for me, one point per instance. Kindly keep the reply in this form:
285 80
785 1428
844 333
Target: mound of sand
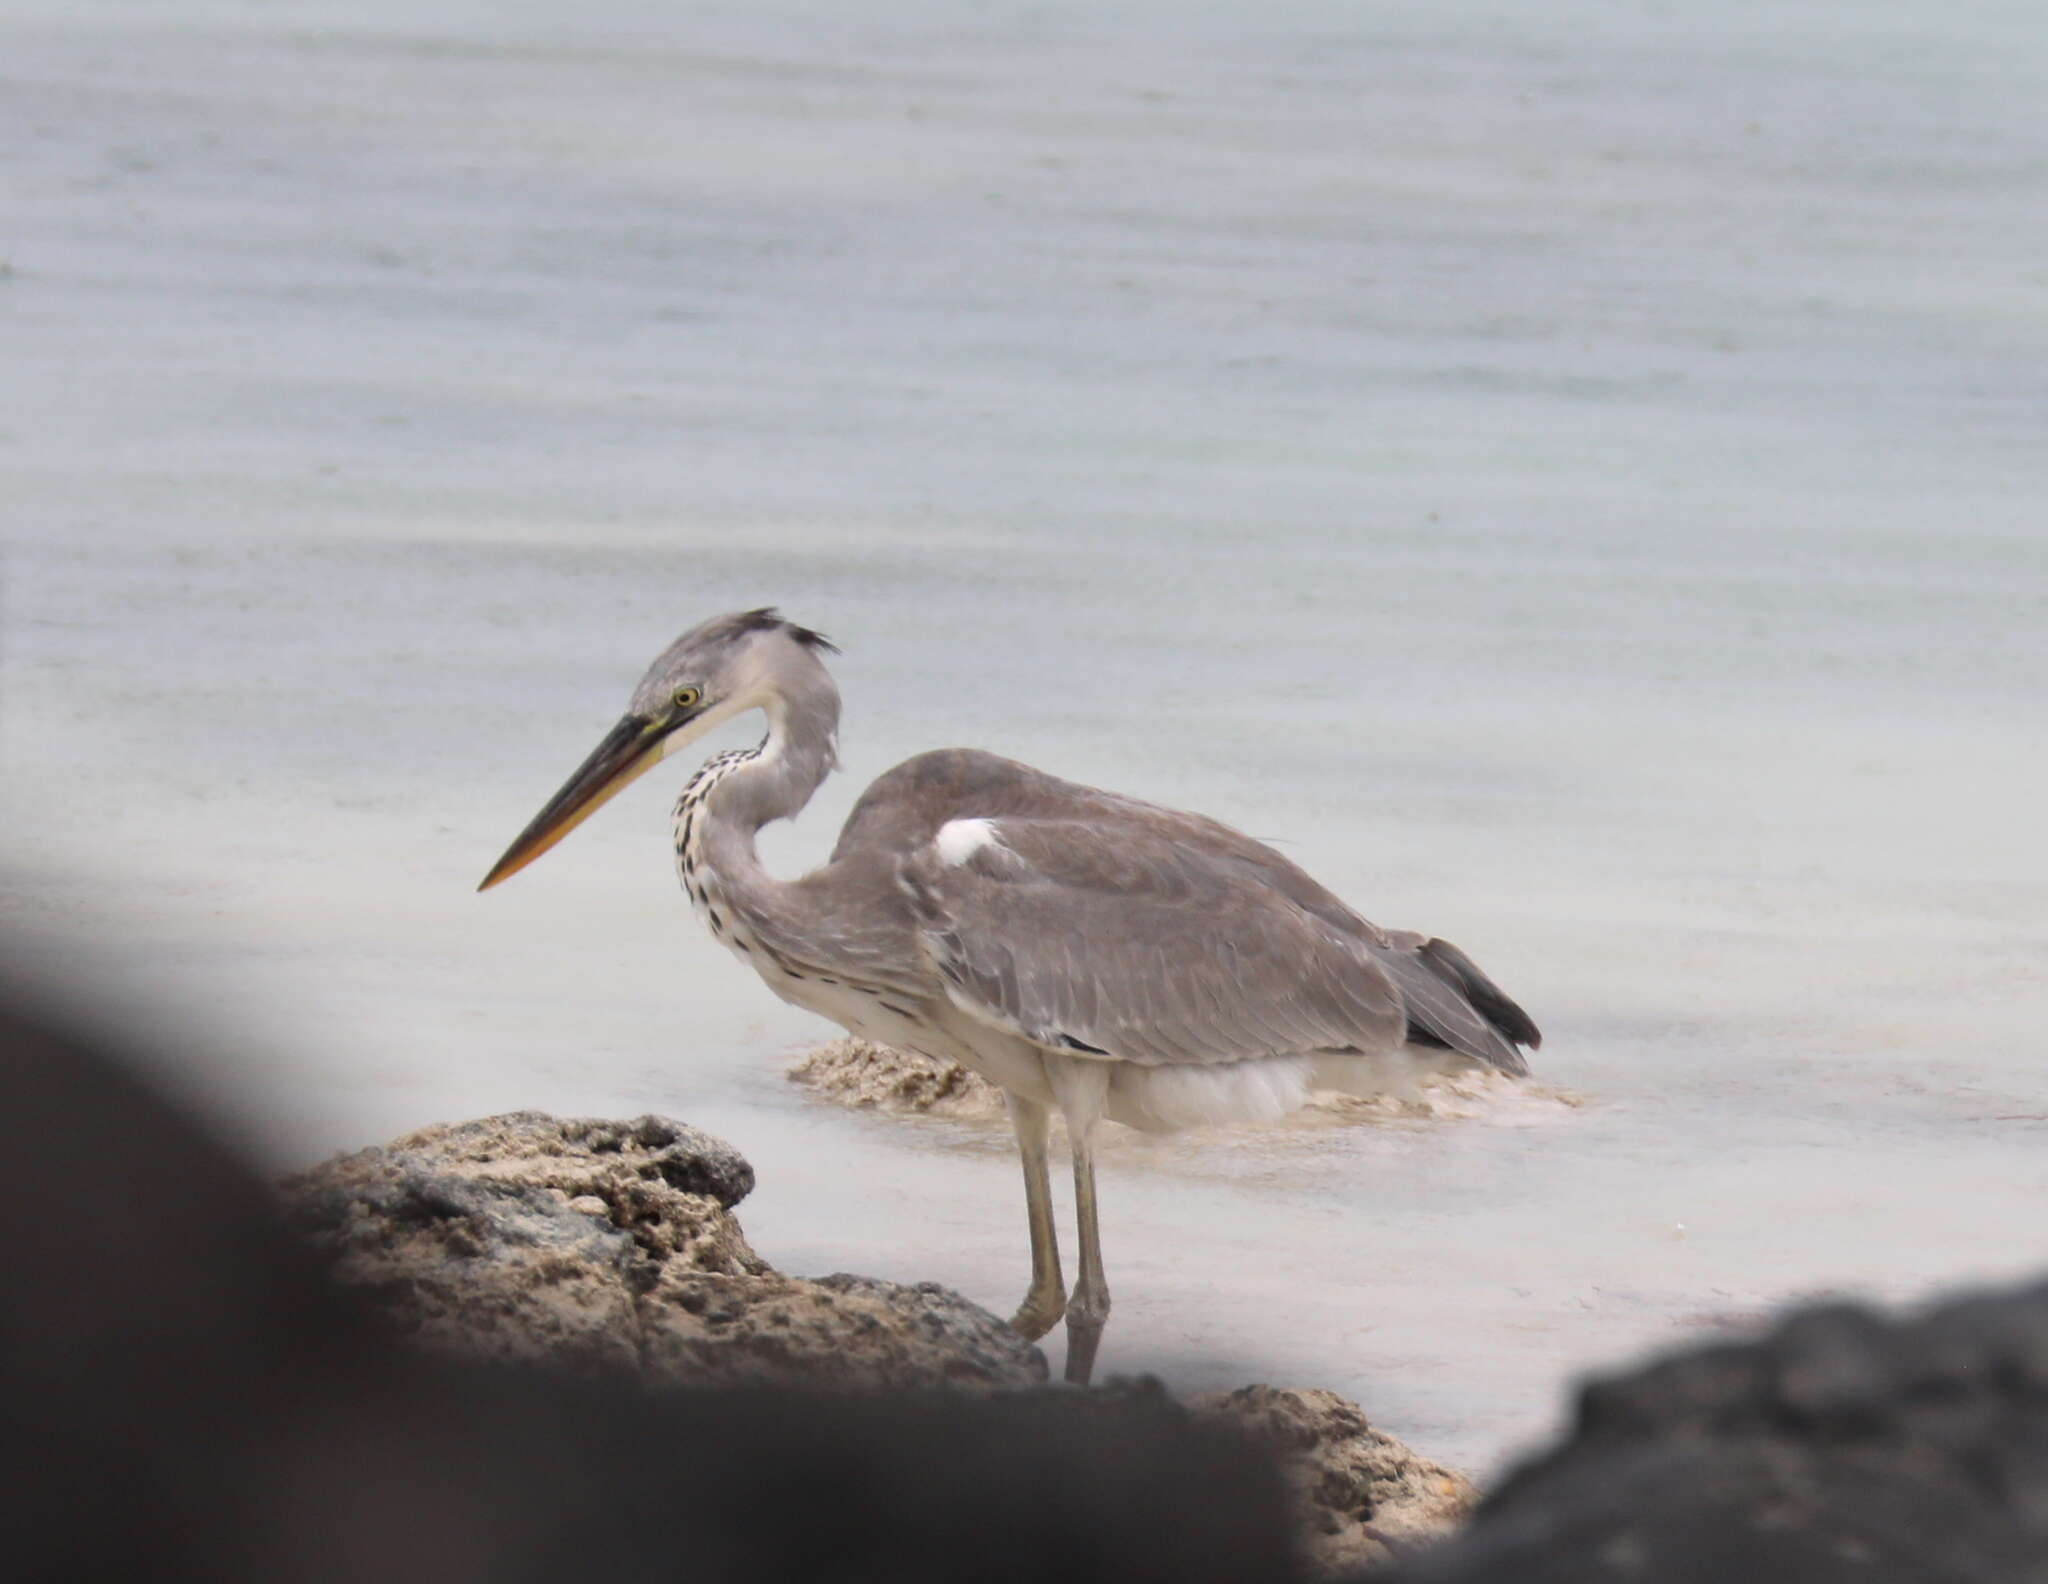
870 1077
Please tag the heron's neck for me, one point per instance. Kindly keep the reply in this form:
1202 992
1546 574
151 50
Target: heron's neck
774 781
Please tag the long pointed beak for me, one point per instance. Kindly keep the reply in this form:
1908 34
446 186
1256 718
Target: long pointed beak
629 750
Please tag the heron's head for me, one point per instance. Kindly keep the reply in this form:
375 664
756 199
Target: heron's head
721 668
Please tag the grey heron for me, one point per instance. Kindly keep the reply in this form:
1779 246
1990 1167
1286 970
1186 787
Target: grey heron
1083 951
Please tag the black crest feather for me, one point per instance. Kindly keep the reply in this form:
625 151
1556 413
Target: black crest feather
768 619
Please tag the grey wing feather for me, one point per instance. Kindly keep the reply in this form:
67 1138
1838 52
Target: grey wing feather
1131 945
1223 980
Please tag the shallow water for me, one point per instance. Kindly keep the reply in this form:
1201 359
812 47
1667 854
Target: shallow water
1573 474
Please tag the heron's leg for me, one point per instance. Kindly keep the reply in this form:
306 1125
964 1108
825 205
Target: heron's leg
1048 1295
1088 1310
1081 1086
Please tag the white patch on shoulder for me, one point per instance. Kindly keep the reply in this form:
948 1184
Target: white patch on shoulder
959 840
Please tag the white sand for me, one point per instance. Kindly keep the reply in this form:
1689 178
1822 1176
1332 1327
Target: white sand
1575 472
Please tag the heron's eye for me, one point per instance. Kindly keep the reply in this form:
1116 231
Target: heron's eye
688 697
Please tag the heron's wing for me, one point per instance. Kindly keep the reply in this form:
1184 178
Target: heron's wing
1125 943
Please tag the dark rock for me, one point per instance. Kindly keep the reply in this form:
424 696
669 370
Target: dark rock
1844 1445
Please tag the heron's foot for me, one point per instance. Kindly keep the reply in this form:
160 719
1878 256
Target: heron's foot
1087 1314
1039 1313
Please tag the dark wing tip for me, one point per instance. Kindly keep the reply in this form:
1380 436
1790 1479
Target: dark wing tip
1487 998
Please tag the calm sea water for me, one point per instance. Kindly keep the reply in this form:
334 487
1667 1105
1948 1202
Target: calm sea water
1574 474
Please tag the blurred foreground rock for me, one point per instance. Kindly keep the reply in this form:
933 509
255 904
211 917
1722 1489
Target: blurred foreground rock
610 1248
189 1401
1845 1447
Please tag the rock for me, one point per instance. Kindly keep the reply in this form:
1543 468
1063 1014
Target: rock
1361 1496
1844 1445
865 1076
188 1398
611 1248
533 1147
842 1330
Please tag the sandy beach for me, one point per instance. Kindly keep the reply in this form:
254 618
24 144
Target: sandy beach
1573 475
